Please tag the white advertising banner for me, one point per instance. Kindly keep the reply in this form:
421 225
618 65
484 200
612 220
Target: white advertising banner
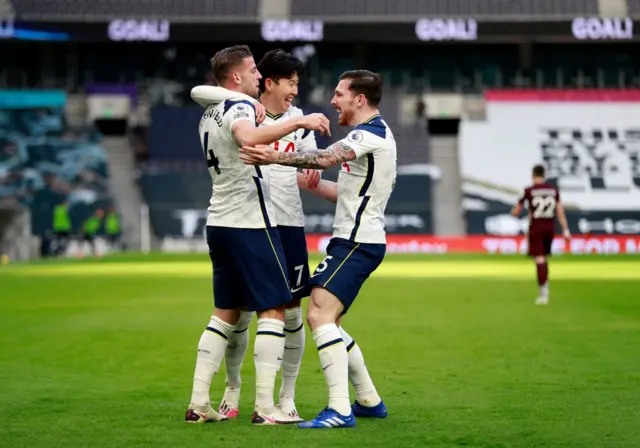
588 141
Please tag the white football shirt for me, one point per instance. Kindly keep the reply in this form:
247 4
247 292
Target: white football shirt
365 184
240 195
285 194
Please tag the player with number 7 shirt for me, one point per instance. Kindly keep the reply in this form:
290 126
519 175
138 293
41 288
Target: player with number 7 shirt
249 268
543 203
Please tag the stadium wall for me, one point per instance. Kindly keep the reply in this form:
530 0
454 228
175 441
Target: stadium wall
476 244
589 141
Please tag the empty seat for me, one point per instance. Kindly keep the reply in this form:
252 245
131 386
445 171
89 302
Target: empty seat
463 8
143 9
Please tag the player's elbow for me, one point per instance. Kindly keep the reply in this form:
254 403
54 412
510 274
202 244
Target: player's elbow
246 137
246 134
198 97
243 140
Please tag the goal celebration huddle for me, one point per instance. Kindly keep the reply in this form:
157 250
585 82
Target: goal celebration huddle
261 151
255 141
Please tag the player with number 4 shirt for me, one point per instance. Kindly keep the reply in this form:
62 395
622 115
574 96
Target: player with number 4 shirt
249 267
543 204
281 73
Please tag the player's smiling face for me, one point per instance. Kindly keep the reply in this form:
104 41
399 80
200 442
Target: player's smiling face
283 91
249 77
344 101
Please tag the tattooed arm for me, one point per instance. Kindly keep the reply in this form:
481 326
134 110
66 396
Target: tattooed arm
320 159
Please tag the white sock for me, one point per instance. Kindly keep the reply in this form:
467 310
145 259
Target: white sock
268 352
544 290
238 344
211 347
294 338
366 393
334 362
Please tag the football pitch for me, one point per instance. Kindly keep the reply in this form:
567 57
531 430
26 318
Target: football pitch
101 353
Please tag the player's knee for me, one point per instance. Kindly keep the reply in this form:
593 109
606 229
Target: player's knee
292 314
228 316
293 305
314 317
313 313
274 313
540 259
244 320
324 308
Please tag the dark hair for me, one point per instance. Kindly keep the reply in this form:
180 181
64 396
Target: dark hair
364 82
277 65
226 59
538 171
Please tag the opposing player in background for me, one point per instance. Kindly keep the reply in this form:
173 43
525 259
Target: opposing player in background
368 158
249 270
543 203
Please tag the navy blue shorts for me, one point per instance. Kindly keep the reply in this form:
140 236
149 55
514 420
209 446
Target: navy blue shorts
345 268
249 268
294 243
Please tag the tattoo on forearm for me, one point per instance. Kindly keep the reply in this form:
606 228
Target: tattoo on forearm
319 158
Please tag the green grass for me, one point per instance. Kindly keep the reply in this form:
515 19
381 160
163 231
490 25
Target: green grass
101 353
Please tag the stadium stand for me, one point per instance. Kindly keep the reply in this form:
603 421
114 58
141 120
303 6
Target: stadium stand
79 9
43 162
461 8
634 7
167 73
6 9
171 187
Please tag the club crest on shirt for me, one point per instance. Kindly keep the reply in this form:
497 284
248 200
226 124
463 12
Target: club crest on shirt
355 137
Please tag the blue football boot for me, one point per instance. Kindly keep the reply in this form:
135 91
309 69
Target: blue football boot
330 418
378 411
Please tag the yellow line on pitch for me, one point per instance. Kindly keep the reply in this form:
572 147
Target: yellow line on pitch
499 269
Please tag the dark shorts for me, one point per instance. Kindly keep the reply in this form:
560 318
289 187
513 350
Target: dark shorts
249 268
346 267
540 243
88 238
63 234
294 244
